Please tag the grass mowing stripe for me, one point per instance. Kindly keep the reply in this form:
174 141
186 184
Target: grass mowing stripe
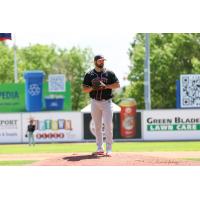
16 162
158 146
192 159
47 148
90 147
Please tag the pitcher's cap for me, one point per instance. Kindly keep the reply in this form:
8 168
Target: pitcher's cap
98 57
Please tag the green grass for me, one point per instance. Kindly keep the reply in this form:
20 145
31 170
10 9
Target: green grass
16 162
158 146
192 159
89 147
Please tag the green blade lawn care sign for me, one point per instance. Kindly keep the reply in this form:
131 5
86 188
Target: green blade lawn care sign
171 124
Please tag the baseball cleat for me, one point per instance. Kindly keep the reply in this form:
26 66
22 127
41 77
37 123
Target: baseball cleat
109 153
98 153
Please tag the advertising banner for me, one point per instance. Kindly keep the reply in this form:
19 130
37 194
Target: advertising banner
190 91
171 125
89 128
12 97
10 128
54 126
56 83
54 93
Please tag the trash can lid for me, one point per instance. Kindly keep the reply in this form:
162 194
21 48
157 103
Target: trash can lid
34 74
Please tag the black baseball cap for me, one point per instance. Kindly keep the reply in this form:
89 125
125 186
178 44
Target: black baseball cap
97 57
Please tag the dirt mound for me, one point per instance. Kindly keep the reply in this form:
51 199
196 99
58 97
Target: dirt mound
117 159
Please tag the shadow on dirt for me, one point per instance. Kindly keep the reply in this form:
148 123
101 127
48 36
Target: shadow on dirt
81 157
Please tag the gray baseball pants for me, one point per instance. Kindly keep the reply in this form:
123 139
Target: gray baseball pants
99 110
31 138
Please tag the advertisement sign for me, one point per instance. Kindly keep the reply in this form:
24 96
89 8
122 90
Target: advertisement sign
57 96
54 126
128 118
56 82
171 124
10 128
89 128
190 91
12 97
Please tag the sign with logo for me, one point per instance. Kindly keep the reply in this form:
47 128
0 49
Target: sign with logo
190 90
54 126
56 83
10 128
34 89
171 124
54 96
12 97
89 127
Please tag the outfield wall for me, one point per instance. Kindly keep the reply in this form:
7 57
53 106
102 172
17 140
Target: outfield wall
54 126
89 128
152 125
10 128
50 127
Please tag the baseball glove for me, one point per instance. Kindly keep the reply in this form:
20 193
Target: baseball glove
98 85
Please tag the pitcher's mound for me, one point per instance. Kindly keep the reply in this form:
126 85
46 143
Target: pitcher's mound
117 159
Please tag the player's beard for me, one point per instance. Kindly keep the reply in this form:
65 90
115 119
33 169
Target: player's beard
100 65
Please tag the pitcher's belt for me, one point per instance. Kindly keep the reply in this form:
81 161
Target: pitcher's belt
101 99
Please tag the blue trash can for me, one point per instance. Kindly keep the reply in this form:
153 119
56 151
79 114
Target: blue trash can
33 90
54 102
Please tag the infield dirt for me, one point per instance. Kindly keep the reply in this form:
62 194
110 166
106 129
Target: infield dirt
117 159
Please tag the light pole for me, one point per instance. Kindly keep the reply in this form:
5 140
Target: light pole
15 59
147 80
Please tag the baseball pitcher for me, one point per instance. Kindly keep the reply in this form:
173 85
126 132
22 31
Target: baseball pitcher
99 83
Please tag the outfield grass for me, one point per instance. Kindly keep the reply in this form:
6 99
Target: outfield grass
192 159
16 162
89 147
